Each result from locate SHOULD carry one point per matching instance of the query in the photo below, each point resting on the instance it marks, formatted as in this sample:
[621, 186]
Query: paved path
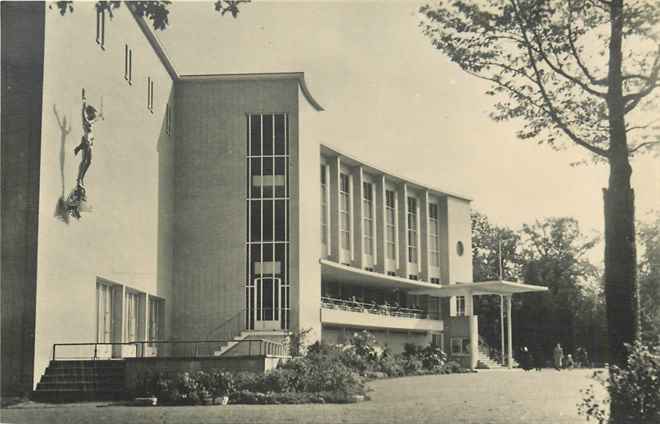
[487, 397]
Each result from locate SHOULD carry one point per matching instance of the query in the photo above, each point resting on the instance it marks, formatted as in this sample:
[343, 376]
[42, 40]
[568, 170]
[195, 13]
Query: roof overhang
[498, 287]
[299, 76]
[333, 271]
[350, 160]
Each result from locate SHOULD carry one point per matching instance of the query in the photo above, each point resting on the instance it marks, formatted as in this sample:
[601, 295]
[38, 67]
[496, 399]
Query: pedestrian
[569, 362]
[558, 356]
[525, 359]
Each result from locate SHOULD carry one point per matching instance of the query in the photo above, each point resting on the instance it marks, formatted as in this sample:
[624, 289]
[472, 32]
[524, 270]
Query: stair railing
[229, 328]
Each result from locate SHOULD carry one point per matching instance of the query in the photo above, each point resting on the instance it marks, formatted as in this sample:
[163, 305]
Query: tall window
[460, 306]
[132, 316]
[345, 211]
[128, 64]
[104, 322]
[150, 95]
[267, 209]
[412, 230]
[324, 206]
[368, 217]
[434, 235]
[155, 318]
[100, 27]
[390, 224]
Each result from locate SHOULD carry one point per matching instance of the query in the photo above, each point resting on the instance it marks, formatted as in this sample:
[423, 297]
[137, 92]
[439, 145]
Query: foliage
[156, 11]
[634, 390]
[554, 253]
[547, 63]
[649, 280]
[325, 374]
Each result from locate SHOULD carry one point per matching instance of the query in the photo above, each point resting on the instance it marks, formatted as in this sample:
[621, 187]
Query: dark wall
[22, 81]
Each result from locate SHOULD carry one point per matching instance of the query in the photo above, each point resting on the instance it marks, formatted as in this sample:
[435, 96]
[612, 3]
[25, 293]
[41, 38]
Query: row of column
[382, 264]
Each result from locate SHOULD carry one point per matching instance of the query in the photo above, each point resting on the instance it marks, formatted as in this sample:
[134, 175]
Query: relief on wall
[76, 202]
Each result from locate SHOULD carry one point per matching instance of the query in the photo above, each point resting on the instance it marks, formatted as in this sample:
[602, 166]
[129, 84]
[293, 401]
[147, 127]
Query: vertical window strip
[344, 211]
[434, 236]
[126, 62]
[412, 230]
[103, 29]
[368, 218]
[152, 97]
[98, 27]
[130, 66]
[390, 230]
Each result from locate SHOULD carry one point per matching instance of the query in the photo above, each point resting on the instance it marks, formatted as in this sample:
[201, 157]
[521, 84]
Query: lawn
[486, 397]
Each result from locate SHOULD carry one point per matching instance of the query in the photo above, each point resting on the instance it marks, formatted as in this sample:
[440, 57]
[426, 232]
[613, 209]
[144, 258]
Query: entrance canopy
[500, 287]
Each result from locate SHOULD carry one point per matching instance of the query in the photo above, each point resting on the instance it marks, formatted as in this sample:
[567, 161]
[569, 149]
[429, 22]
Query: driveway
[498, 396]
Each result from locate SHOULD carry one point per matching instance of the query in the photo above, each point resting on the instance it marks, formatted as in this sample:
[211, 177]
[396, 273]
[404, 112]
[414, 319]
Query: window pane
[255, 170]
[268, 134]
[268, 220]
[279, 220]
[255, 135]
[279, 134]
[255, 220]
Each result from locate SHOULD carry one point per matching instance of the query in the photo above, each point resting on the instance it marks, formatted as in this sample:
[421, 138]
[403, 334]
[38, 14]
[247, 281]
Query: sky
[394, 101]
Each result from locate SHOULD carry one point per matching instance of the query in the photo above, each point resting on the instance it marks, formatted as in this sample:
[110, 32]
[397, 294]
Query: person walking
[558, 356]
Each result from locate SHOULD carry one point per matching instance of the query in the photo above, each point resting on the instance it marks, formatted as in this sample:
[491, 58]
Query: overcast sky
[394, 101]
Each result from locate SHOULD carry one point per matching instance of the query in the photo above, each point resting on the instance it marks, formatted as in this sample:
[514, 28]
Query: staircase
[71, 381]
[486, 363]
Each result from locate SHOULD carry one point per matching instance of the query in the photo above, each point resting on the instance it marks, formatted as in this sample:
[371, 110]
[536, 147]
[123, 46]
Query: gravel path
[498, 396]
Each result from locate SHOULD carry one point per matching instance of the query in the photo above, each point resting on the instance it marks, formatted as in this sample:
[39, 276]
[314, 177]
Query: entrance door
[104, 320]
[267, 304]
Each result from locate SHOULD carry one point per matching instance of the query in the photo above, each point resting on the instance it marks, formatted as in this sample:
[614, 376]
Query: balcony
[351, 313]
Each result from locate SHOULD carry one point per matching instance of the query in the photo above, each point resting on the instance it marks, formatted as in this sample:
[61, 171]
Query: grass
[487, 397]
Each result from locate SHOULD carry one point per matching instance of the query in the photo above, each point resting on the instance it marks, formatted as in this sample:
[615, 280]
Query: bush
[634, 391]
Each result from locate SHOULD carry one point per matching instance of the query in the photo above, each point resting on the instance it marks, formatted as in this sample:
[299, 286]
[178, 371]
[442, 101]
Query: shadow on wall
[65, 129]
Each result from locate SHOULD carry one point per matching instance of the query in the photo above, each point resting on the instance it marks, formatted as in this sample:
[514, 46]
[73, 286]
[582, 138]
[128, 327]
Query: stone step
[73, 395]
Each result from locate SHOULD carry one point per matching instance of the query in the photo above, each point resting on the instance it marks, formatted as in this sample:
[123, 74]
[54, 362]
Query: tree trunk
[620, 251]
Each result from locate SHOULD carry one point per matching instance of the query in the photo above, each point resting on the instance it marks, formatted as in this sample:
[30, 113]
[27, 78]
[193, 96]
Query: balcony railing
[373, 308]
[166, 349]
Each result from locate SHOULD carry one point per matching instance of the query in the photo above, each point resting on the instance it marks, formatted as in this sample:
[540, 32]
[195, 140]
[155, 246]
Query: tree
[554, 253]
[156, 11]
[576, 72]
[486, 239]
[649, 281]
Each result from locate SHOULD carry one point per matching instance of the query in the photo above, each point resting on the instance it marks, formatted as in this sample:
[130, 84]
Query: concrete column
[502, 329]
[509, 359]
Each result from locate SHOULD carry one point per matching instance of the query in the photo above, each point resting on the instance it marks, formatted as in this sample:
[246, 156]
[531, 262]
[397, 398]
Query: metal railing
[373, 308]
[167, 349]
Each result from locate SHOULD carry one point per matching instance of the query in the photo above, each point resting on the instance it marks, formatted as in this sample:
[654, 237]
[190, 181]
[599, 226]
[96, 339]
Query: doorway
[267, 304]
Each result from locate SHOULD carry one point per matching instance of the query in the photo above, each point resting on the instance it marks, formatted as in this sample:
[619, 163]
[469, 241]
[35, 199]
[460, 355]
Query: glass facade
[267, 288]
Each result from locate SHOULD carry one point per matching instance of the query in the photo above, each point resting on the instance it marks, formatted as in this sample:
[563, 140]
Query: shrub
[634, 390]
[392, 365]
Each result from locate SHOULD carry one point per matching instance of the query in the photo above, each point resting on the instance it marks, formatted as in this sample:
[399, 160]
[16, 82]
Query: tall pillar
[509, 359]
[502, 329]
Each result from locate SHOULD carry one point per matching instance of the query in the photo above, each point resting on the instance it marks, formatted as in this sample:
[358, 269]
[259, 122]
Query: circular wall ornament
[459, 248]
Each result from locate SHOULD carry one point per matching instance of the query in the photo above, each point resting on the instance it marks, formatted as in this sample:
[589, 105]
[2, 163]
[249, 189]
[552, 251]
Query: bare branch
[546, 98]
[643, 145]
[576, 54]
[652, 82]
[557, 68]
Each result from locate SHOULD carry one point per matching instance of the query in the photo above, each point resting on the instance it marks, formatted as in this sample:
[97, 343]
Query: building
[208, 213]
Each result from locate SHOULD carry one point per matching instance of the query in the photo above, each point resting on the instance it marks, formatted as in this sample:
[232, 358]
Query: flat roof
[299, 76]
[374, 169]
[499, 287]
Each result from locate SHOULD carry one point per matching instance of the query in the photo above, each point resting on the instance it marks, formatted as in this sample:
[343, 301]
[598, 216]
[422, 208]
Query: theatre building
[212, 223]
